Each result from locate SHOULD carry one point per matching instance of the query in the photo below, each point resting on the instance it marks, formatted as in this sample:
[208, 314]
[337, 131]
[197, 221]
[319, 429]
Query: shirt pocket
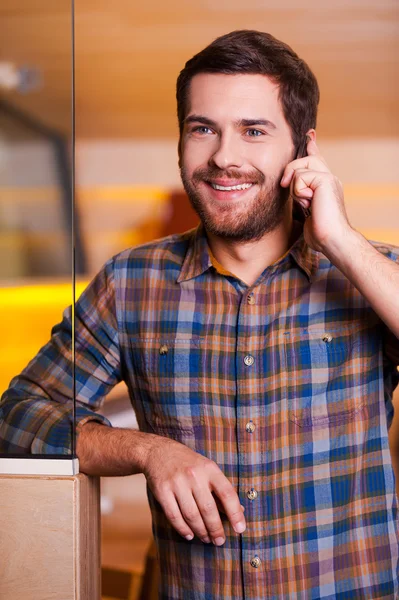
[324, 377]
[166, 381]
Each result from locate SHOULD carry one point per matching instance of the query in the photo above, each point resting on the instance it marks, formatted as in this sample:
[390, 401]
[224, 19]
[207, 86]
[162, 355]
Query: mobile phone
[301, 154]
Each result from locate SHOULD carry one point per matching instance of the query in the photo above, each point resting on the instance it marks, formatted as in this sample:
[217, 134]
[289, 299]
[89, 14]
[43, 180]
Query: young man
[260, 352]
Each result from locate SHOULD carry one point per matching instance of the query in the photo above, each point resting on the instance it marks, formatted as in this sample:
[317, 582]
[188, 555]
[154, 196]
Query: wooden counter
[49, 537]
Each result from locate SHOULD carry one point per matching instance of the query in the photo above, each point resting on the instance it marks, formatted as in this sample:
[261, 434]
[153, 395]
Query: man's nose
[227, 154]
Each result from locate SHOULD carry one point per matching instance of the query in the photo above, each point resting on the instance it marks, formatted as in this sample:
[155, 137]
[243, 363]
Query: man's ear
[311, 135]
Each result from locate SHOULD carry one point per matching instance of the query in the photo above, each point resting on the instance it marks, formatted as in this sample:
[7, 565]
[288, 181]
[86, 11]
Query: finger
[221, 507]
[192, 517]
[230, 502]
[305, 182]
[299, 188]
[210, 515]
[175, 518]
[304, 194]
[302, 202]
[313, 163]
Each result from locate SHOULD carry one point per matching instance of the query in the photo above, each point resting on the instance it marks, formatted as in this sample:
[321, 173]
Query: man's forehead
[220, 94]
[242, 84]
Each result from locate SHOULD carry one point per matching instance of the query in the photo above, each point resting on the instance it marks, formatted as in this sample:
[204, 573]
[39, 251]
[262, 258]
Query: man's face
[235, 134]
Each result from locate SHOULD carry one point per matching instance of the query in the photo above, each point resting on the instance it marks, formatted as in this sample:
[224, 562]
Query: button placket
[247, 434]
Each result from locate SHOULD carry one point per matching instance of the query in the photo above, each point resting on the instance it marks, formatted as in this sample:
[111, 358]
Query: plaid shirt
[286, 385]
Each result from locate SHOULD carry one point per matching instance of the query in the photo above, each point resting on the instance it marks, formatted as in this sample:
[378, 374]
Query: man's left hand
[313, 186]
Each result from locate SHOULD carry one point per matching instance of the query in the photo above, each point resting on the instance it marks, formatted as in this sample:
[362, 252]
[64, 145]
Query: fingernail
[240, 527]
[218, 541]
[189, 537]
[206, 540]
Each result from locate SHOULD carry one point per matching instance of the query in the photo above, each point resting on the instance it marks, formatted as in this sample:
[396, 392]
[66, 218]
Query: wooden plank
[87, 531]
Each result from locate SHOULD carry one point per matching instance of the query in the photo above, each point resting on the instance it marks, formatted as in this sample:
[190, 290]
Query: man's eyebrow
[252, 122]
[199, 119]
[238, 123]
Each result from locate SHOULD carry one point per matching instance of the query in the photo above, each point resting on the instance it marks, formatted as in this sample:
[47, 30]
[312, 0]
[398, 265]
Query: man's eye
[201, 129]
[254, 132]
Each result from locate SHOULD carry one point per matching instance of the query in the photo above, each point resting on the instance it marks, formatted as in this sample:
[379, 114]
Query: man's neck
[247, 260]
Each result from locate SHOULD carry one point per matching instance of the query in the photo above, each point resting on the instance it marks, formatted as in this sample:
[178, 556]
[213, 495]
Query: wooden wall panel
[128, 56]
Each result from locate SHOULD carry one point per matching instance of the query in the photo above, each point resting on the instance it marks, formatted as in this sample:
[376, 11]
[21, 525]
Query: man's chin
[252, 228]
[245, 232]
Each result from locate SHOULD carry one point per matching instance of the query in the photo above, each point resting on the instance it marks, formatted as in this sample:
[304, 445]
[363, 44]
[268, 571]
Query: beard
[264, 213]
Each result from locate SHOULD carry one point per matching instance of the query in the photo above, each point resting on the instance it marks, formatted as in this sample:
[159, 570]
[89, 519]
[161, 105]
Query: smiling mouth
[229, 188]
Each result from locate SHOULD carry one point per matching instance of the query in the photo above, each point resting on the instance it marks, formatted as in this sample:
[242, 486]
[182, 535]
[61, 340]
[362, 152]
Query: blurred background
[128, 191]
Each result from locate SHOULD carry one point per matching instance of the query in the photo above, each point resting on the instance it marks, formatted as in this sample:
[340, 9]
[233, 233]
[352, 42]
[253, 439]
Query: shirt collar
[305, 257]
[198, 257]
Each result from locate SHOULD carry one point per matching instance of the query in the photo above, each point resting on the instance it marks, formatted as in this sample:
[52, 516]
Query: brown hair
[255, 52]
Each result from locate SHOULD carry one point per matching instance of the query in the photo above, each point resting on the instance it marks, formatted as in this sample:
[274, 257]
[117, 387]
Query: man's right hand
[184, 482]
[190, 488]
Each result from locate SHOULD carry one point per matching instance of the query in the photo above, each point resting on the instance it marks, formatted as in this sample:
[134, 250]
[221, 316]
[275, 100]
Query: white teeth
[243, 186]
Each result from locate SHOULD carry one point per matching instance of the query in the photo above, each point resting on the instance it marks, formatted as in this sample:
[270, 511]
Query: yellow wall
[27, 314]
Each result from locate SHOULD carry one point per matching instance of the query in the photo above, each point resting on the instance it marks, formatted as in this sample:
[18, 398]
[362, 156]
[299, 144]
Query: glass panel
[36, 185]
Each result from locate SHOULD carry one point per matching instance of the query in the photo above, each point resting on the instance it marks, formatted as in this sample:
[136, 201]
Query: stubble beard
[265, 211]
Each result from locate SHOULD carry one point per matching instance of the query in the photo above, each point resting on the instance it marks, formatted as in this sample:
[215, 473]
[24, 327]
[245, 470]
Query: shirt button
[252, 494]
[250, 427]
[255, 562]
[327, 338]
[251, 299]
[249, 360]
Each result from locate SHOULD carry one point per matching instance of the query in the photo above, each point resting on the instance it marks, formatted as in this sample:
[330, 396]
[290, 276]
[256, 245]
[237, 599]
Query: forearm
[107, 451]
[375, 276]
[37, 412]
